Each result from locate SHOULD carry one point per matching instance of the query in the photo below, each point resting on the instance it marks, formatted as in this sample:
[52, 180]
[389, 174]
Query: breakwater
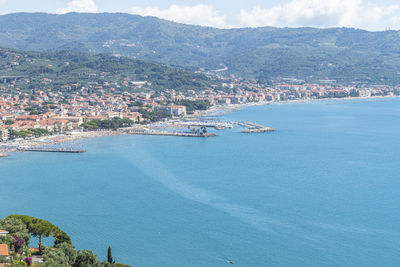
[56, 150]
[209, 124]
[167, 133]
[255, 128]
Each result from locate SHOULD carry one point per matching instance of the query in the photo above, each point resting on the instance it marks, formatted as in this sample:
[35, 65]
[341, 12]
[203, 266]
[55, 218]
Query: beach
[12, 146]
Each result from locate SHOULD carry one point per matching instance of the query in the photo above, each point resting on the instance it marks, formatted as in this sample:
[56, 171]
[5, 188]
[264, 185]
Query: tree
[68, 250]
[55, 258]
[61, 237]
[203, 130]
[86, 258]
[9, 122]
[18, 232]
[109, 256]
[41, 228]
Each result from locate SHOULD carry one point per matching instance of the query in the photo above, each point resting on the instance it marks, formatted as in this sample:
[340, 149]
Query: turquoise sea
[322, 191]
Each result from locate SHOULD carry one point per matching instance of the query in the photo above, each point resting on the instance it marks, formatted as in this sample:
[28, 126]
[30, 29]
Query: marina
[183, 127]
[218, 125]
[251, 127]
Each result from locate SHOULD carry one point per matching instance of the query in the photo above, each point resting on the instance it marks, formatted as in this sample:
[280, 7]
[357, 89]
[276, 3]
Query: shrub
[86, 258]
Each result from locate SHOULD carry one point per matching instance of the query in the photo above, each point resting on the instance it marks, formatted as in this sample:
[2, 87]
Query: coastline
[12, 146]
[219, 110]
[214, 111]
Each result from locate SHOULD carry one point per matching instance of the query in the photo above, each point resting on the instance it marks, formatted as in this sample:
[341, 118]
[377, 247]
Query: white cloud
[324, 13]
[295, 13]
[84, 6]
[203, 15]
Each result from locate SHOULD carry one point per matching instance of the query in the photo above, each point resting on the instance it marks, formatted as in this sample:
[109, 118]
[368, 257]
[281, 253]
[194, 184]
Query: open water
[322, 191]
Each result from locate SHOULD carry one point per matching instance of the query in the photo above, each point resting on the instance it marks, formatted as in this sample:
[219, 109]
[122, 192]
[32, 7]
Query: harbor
[189, 123]
[178, 127]
[250, 127]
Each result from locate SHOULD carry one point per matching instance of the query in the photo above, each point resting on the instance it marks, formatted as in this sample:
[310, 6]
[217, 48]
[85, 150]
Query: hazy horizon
[196, 25]
[371, 15]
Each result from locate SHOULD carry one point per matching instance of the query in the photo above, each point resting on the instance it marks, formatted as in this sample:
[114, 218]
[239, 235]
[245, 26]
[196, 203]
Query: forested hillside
[266, 53]
[73, 70]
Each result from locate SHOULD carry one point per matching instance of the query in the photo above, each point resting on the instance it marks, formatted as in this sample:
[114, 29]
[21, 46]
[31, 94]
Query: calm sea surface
[322, 191]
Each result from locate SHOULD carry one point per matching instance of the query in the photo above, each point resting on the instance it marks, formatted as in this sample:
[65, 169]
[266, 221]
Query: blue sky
[366, 14]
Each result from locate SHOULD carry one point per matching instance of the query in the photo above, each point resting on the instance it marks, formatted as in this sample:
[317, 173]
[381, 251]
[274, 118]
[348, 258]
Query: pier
[55, 150]
[255, 128]
[218, 125]
[260, 130]
[167, 133]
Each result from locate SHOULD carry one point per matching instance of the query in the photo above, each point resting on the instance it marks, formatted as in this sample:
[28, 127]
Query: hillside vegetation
[74, 70]
[342, 54]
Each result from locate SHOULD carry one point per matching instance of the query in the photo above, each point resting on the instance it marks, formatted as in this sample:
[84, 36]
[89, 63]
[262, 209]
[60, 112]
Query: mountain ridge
[266, 53]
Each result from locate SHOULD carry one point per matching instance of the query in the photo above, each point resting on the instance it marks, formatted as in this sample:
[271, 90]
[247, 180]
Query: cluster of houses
[46, 111]
[4, 249]
[60, 112]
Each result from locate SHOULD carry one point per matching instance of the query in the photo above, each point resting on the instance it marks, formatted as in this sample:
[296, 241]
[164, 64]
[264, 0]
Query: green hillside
[73, 70]
[305, 53]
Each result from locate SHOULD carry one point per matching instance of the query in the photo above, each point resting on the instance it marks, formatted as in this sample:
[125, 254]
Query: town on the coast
[31, 118]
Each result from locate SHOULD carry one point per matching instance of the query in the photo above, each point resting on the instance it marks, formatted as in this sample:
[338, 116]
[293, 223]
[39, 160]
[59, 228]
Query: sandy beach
[12, 146]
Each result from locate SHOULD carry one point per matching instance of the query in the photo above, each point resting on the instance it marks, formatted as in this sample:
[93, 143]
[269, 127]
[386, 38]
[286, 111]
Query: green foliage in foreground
[110, 258]
[62, 254]
[16, 228]
[42, 228]
[113, 123]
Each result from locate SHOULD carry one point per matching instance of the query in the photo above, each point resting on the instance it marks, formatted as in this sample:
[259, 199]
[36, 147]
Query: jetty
[255, 128]
[55, 150]
[218, 125]
[168, 133]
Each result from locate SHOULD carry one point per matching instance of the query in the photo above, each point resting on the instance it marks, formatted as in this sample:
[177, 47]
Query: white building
[176, 110]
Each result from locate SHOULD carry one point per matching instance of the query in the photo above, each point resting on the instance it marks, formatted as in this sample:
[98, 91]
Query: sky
[372, 15]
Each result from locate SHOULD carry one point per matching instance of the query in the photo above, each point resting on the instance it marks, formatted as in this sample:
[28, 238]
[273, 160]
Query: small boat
[3, 155]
